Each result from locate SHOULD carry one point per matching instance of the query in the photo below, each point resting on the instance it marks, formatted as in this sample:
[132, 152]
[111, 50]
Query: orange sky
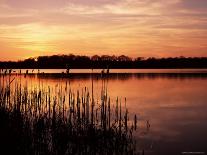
[157, 28]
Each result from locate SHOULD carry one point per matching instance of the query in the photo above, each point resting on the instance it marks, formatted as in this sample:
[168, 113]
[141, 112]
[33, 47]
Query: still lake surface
[173, 101]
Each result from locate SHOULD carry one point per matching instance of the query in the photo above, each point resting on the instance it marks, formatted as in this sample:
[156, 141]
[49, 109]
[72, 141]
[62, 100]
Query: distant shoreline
[105, 62]
[101, 72]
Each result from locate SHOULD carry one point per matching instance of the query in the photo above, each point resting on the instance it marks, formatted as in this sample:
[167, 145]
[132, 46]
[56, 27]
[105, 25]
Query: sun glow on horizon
[130, 27]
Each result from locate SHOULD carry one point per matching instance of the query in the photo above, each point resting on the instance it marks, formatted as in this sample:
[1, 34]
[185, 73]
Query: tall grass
[45, 120]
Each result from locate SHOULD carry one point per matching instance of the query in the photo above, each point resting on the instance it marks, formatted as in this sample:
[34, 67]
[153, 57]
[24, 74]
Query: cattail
[109, 114]
[58, 118]
[135, 122]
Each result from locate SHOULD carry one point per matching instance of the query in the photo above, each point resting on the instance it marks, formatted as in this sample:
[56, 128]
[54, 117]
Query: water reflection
[175, 105]
[119, 76]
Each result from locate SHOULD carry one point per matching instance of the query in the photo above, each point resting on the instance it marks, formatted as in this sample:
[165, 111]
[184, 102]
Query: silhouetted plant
[36, 121]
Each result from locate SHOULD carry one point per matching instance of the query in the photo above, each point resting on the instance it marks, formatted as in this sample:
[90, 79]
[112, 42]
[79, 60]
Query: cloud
[124, 7]
[35, 4]
[193, 4]
[132, 27]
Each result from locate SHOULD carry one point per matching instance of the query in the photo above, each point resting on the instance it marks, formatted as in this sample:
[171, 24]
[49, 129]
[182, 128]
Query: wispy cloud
[131, 27]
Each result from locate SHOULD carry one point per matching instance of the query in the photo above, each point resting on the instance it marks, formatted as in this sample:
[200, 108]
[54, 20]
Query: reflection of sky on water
[175, 106]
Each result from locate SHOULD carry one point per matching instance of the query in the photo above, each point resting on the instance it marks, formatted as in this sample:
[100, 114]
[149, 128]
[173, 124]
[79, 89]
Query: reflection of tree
[106, 61]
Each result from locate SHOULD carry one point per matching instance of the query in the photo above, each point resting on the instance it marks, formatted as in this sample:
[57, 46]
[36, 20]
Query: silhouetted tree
[106, 61]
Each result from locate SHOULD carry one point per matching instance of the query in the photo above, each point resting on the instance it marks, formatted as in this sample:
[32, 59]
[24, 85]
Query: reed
[41, 121]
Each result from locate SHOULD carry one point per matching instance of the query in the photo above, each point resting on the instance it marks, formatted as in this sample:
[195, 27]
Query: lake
[171, 104]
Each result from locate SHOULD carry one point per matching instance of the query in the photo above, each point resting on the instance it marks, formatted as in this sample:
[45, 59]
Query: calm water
[174, 103]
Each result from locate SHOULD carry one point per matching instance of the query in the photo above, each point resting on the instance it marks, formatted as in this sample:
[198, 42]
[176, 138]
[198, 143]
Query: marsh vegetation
[40, 119]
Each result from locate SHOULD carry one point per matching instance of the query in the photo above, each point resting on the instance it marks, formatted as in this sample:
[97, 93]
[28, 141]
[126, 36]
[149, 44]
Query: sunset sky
[158, 28]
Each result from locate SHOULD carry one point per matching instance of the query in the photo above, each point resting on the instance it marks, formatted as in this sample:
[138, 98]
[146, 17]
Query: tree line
[105, 61]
